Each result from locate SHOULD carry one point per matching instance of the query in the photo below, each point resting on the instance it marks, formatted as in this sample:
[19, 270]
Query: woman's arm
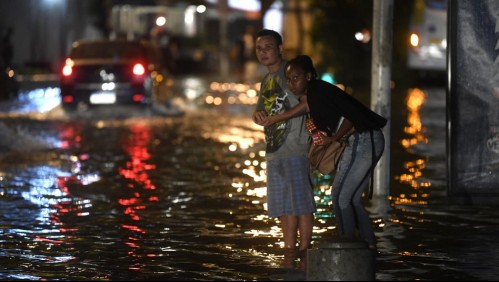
[344, 131]
[259, 117]
[298, 110]
[345, 127]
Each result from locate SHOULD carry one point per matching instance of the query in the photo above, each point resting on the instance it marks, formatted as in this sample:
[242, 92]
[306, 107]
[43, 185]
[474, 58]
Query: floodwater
[179, 194]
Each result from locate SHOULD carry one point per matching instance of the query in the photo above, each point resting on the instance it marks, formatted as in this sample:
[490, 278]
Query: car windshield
[107, 50]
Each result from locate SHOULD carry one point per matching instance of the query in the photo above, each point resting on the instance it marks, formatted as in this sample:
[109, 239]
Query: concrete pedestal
[341, 260]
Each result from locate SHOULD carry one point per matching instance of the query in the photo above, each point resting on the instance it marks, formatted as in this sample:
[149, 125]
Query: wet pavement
[179, 194]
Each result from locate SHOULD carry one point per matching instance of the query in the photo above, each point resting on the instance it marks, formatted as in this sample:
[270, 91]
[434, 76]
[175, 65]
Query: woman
[335, 112]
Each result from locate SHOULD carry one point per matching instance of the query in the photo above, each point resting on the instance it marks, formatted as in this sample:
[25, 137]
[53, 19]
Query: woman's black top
[328, 104]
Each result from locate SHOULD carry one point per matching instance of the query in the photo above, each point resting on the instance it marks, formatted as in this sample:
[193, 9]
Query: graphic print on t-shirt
[275, 102]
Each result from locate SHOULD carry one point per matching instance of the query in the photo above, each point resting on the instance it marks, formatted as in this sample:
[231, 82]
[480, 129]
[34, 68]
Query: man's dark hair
[268, 32]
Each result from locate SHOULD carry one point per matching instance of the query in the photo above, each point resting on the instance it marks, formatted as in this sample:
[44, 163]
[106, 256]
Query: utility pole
[380, 85]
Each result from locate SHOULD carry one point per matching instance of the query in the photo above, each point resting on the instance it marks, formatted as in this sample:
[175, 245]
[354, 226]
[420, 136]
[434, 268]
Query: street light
[160, 21]
[201, 9]
[363, 36]
[190, 18]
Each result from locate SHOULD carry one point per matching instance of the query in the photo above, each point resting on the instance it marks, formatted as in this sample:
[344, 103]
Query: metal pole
[380, 85]
[224, 60]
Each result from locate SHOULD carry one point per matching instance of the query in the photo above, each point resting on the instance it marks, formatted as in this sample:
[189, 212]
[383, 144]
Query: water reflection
[232, 93]
[41, 100]
[135, 145]
[183, 198]
[35, 102]
[416, 135]
[415, 99]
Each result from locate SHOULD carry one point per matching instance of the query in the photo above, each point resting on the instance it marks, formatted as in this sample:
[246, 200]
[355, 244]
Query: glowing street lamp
[160, 21]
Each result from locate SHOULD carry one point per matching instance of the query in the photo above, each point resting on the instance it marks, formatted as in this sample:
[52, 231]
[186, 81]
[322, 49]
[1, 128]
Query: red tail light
[67, 99]
[138, 97]
[138, 69]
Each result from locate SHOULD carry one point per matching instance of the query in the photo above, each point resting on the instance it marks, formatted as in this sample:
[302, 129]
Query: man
[289, 187]
[7, 48]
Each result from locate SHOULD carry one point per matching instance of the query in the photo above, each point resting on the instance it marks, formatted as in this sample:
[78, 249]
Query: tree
[333, 32]
[333, 29]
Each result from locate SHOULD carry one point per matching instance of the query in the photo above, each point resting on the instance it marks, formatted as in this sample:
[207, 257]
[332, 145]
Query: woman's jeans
[351, 181]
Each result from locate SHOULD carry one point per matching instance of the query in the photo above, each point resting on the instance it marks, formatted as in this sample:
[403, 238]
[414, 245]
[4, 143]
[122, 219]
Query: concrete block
[341, 260]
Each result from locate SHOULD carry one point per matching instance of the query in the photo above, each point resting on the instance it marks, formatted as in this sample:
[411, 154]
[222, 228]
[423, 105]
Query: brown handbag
[325, 158]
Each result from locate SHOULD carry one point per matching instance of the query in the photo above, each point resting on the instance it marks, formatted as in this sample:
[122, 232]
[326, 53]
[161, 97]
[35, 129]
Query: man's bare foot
[303, 259]
[290, 256]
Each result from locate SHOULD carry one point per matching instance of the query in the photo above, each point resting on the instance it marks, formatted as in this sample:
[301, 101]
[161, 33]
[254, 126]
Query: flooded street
[179, 194]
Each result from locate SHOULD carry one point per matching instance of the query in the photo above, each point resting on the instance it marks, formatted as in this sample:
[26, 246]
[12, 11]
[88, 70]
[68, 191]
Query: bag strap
[339, 124]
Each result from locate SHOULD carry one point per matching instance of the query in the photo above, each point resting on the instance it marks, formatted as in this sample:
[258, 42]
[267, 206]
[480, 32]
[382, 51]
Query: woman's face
[297, 80]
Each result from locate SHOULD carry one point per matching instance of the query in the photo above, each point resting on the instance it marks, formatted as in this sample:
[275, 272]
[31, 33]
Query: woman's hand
[323, 139]
[259, 117]
[320, 138]
[269, 120]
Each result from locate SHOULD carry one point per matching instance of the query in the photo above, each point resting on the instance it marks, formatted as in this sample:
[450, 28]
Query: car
[111, 72]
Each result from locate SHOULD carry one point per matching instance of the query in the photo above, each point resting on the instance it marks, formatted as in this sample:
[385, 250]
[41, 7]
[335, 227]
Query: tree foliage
[333, 33]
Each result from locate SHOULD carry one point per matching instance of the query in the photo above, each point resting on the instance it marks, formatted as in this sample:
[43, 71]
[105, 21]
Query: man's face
[268, 52]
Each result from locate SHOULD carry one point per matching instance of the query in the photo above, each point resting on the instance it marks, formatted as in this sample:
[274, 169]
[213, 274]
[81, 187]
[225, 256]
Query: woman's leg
[343, 189]
[351, 176]
[364, 222]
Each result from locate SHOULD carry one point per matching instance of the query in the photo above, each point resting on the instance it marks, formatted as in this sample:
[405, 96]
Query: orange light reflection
[416, 135]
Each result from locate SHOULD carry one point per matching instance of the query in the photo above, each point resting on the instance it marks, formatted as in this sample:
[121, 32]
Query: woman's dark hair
[305, 63]
[268, 32]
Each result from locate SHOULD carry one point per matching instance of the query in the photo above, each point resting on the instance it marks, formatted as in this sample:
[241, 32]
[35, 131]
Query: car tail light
[138, 97]
[138, 69]
[67, 70]
[414, 40]
[67, 99]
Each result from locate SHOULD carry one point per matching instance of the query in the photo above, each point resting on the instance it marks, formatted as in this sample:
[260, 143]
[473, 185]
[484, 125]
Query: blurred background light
[273, 18]
[160, 21]
[246, 5]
